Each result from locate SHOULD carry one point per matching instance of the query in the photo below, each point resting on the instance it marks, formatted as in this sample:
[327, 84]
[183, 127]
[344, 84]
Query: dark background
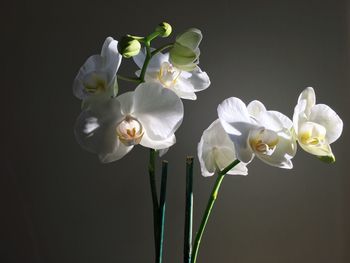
[59, 204]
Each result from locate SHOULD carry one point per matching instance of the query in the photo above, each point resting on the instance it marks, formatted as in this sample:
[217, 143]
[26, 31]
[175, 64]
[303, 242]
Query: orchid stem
[162, 209]
[189, 210]
[211, 201]
[152, 180]
[156, 51]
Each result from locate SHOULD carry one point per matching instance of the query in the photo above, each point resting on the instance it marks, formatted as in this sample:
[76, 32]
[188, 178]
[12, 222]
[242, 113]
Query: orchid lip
[130, 131]
[263, 141]
[312, 134]
[95, 85]
[168, 75]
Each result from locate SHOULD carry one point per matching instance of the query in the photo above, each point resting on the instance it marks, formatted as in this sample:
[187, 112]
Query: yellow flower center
[95, 84]
[312, 134]
[130, 131]
[263, 141]
[168, 75]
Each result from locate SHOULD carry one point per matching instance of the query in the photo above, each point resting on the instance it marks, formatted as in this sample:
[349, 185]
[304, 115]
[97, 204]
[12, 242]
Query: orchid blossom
[183, 83]
[256, 131]
[316, 126]
[97, 77]
[148, 116]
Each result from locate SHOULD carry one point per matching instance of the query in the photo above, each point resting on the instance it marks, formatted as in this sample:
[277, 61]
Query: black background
[59, 204]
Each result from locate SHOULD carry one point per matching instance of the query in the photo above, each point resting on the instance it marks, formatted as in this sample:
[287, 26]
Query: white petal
[309, 96]
[319, 150]
[206, 160]
[216, 150]
[184, 89]
[155, 62]
[205, 153]
[111, 57]
[146, 141]
[224, 156]
[127, 102]
[299, 115]
[232, 111]
[243, 151]
[198, 79]
[162, 152]
[270, 121]
[285, 121]
[91, 66]
[255, 107]
[236, 121]
[328, 118]
[95, 131]
[239, 169]
[185, 95]
[119, 151]
[159, 110]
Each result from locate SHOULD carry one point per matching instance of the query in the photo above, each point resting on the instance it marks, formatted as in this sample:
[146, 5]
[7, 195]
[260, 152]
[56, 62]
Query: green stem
[146, 62]
[162, 209]
[209, 208]
[156, 51]
[152, 180]
[147, 42]
[188, 211]
[132, 79]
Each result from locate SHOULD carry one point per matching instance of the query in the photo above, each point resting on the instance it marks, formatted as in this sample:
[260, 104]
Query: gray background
[59, 204]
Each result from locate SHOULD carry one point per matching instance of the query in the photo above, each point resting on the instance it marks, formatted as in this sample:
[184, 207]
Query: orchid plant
[111, 124]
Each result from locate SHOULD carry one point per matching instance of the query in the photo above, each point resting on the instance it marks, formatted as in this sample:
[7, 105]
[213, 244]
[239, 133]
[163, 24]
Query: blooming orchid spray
[111, 124]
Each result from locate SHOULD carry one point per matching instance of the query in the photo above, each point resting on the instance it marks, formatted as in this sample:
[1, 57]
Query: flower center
[95, 84]
[168, 75]
[263, 141]
[129, 131]
[312, 134]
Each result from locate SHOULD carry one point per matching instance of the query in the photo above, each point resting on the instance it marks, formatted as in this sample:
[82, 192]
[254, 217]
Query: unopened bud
[129, 46]
[164, 29]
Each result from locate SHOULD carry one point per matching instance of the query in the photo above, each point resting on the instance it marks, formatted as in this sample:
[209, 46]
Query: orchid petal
[328, 118]
[146, 141]
[159, 110]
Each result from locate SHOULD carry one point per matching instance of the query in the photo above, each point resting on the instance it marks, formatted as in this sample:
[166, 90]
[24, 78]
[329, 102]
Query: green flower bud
[183, 57]
[129, 46]
[164, 29]
[327, 159]
[191, 38]
[185, 52]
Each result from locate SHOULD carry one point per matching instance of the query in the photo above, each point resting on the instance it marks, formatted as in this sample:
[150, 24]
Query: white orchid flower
[148, 116]
[183, 83]
[316, 126]
[256, 131]
[97, 77]
[216, 151]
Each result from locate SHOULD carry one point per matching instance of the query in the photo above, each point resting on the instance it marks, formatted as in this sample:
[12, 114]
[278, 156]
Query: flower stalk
[189, 210]
[210, 204]
[152, 180]
[162, 209]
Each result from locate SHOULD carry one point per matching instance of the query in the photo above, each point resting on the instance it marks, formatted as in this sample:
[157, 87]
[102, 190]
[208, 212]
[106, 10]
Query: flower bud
[164, 29]
[191, 38]
[129, 46]
[185, 52]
